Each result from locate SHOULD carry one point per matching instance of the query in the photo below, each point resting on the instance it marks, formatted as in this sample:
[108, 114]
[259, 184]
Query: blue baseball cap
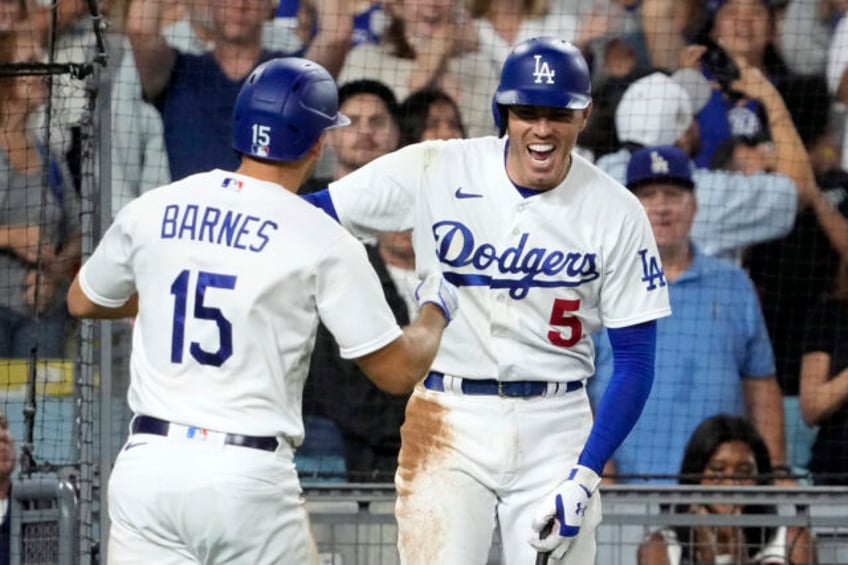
[661, 164]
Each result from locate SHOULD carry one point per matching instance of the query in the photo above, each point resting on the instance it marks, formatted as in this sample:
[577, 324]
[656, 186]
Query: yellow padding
[53, 377]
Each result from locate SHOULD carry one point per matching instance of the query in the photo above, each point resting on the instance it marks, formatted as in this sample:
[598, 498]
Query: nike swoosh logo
[136, 444]
[460, 194]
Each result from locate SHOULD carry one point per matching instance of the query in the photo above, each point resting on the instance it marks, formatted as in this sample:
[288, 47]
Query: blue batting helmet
[283, 108]
[543, 71]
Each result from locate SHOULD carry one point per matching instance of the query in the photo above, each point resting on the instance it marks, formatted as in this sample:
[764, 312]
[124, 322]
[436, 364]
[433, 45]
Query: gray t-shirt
[46, 198]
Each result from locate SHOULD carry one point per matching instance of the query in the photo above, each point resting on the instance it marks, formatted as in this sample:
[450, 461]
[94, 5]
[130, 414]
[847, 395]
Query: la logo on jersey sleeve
[652, 273]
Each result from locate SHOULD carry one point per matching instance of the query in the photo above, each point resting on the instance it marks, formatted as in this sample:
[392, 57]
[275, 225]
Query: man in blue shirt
[713, 354]
[196, 93]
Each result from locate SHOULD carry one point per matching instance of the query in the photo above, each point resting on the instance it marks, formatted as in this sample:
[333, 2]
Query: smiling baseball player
[545, 250]
[232, 272]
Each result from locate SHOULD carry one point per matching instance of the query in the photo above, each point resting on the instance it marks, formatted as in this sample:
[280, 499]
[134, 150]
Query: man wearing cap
[713, 355]
[735, 210]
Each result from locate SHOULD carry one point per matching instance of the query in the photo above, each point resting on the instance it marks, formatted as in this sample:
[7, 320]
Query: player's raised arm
[154, 57]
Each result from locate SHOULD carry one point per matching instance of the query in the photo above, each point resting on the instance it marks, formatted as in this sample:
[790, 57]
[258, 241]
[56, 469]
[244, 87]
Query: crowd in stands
[726, 118]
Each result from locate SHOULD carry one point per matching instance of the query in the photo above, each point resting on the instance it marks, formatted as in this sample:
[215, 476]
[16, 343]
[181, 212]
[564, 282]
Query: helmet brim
[542, 98]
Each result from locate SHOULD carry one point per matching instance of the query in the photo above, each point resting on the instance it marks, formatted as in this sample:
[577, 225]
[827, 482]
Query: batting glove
[567, 505]
[434, 288]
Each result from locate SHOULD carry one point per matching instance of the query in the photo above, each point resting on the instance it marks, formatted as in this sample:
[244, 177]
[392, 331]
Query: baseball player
[229, 273]
[545, 249]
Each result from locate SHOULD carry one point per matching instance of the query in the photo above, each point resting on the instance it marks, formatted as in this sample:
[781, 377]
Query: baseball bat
[543, 556]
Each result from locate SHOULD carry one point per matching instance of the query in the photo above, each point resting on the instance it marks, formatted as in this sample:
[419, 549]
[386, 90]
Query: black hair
[413, 113]
[702, 445]
[808, 101]
[374, 87]
[723, 156]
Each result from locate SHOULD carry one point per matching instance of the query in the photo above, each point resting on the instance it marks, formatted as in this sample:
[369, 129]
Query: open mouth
[540, 152]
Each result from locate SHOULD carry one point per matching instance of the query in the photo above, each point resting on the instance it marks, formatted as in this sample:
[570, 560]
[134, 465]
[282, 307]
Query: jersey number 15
[180, 289]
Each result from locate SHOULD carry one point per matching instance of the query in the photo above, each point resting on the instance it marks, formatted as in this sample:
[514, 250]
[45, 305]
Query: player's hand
[435, 289]
[566, 505]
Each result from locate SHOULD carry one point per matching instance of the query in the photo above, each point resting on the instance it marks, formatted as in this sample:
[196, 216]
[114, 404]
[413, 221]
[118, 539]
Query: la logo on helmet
[543, 71]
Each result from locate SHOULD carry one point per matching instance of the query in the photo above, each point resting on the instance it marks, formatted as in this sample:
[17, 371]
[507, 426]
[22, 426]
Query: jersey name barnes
[214, 225]
[457, 248]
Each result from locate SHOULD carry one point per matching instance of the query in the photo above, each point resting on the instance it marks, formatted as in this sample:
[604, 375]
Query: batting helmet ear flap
[499, 114]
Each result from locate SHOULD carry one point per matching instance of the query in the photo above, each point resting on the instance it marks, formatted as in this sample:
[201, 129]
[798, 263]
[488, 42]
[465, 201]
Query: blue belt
[515, 389]
[155, 426]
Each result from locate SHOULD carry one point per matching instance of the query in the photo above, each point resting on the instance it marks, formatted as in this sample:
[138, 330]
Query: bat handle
[543, 556]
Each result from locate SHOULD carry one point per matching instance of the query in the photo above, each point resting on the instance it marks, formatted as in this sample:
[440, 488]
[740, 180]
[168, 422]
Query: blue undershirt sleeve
[322, 199]
[633, 352]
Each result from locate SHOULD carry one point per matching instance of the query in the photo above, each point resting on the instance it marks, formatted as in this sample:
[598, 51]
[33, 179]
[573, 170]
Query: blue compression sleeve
[633, 352]
[322, 199]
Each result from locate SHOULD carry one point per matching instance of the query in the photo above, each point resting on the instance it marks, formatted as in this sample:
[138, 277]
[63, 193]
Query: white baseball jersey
[232, 274]
[537, 276]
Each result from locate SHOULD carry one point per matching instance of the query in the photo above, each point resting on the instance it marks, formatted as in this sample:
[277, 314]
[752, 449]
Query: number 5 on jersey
[180, 290]
[561, 317]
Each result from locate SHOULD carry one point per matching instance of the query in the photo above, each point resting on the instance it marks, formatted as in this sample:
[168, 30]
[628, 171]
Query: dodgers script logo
[536, 266]
[543, 71]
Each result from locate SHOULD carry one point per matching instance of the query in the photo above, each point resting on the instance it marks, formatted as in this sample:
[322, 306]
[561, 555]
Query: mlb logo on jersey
[230, 182]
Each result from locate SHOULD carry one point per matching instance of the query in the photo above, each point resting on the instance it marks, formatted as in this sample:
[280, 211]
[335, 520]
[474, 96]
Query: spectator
[837, 72]
[337, 399]
[793, 272]
[501, 24]
[824, 383]
[713, 355]
[373, 131]
[193, 32]
[806, 34]
[12, 13]
[728, 451]
[7, 465]
[610, 34]
[137, 146]
[429, 113]
[369, 20]
[193, 28]
[196, 93]
[745, 31]
[430, 44]
[39, 225]
[734, 210]
[668, 26]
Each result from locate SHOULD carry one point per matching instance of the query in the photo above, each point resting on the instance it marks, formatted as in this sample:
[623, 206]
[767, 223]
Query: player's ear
[318, 147]
[586, 113]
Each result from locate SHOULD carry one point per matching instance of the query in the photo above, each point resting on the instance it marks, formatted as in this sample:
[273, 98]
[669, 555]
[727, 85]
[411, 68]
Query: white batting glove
[434, 288]
[566, 505]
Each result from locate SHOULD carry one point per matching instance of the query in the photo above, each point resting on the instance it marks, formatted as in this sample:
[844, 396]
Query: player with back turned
[229, 273]
[545, 249]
